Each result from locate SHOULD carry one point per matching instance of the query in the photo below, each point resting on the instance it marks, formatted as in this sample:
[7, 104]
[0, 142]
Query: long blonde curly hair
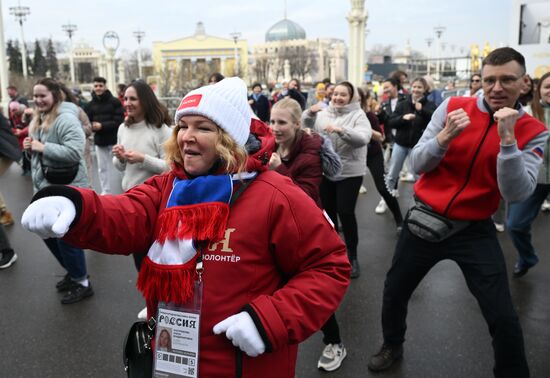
[230, 153]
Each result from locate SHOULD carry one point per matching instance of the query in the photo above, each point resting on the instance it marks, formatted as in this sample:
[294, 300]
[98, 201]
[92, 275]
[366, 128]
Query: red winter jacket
[464, 184]
[303, 164]
[280, 260]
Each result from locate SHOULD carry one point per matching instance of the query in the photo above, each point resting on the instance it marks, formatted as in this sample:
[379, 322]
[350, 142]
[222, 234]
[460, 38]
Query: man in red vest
[473, 152]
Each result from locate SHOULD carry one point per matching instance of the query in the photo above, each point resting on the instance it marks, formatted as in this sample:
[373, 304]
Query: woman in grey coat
[57, 141]
[347, 126]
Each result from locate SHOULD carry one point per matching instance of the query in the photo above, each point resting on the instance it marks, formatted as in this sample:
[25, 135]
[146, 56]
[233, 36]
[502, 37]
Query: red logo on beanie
[190, 102]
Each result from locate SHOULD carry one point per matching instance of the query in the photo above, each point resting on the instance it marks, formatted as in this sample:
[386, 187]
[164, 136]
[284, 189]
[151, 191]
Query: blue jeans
[398, 156]
[520, 218]
[70, 258]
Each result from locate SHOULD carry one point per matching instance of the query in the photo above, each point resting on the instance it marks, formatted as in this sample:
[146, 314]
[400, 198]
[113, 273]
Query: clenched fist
[506, 118]
[457, 121]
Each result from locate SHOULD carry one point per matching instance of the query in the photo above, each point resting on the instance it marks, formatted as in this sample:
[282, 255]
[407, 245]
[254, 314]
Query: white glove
[240, 329]
[49, 217]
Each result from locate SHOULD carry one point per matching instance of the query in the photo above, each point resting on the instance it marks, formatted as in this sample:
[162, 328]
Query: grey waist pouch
[430, 226]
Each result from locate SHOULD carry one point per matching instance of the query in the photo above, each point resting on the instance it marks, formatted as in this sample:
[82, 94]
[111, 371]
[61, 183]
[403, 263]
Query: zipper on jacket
[470, 168]
[238, 363]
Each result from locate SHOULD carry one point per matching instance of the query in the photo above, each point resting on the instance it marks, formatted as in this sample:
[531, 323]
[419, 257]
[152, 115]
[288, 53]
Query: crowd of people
[250, 160]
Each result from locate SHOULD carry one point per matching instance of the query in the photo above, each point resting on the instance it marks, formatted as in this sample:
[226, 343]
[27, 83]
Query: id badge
[177, 338]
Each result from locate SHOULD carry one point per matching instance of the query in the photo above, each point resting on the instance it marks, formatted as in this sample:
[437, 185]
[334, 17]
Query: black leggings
[339, 199]
[331, 331]
[375, 163]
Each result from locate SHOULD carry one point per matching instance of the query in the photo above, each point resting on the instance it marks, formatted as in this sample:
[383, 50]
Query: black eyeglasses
[475, 81]
[505, 81]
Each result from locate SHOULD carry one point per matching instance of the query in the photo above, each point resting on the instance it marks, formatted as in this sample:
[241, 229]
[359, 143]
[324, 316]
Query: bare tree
[202, 71]
[278, 68]
[381, 50]
[166, 77]
[130, 59]
[283, 54]
[303, 61]
[261, 69]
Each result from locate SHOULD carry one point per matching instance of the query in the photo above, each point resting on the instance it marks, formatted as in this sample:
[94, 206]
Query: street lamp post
[111, 43]
[443, 62]
[20, 13]
[139, 36]
[236, 36]
[429, 42]
[3, 65]
[438, 33]
[70, 29]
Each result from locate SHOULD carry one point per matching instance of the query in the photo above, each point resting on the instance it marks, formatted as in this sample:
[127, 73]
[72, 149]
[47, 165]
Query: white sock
[84, 282]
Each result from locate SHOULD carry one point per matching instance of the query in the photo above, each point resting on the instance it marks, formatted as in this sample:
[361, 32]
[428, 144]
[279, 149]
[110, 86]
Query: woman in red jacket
[298, 155]
[250, 246]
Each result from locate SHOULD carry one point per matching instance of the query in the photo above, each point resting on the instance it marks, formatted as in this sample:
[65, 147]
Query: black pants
[339, 199]
[4, 242]
[375, 163]
[478, 254]
[331, 331]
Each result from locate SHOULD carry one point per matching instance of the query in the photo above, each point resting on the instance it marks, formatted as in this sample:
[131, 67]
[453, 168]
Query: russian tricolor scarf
[196, 214]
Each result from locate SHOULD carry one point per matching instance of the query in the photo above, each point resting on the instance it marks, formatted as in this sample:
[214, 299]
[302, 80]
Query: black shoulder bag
[59, 175]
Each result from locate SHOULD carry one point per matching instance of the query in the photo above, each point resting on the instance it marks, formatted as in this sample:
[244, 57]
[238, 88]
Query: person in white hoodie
[349, 130]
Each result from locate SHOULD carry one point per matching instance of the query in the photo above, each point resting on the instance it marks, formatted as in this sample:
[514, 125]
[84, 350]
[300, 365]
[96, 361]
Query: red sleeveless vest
[464, 184]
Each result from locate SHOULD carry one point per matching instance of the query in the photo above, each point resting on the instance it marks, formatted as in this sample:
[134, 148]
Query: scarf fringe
[205, 221]
[167, 283]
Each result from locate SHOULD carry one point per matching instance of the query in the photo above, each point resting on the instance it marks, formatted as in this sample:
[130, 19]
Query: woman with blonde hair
[250, 246]
[56, 145]
[298, 155]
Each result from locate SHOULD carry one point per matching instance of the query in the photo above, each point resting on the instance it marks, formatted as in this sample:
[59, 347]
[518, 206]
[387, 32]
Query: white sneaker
[409, 177]
[499, 227]
[362, 190]
[382, 207]
[142, 315]
[545, 205]
[332, 357]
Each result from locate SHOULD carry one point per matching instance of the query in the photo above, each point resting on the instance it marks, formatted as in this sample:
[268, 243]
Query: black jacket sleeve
[117, 118]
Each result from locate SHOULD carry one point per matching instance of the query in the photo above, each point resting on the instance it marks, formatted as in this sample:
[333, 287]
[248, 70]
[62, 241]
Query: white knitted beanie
[225, 103]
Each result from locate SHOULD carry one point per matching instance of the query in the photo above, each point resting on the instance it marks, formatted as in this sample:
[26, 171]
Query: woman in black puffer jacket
[409, 119]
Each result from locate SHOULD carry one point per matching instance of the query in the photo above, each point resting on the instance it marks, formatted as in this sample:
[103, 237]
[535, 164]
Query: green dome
[285, 30]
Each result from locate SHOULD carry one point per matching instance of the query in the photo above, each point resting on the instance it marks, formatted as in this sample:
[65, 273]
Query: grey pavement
[446, 337]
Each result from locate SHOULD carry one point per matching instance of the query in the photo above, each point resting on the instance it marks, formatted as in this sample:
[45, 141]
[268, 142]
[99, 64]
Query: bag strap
[240, 190]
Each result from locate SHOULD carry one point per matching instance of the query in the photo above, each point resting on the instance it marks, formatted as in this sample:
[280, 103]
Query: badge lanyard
[178, 326]
[178, 333]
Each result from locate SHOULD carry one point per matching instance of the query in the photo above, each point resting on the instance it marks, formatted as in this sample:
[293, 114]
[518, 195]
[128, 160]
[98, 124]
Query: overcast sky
[389, 22]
